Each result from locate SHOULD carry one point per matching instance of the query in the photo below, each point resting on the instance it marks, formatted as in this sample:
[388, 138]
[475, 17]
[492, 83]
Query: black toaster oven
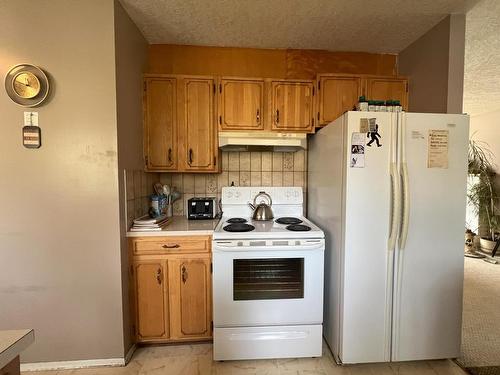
[201, 208]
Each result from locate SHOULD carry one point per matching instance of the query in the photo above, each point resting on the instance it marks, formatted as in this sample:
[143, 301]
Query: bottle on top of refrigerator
[371, 106]
[389, 105]
[381, 106]
[362, 104]
[397, 106]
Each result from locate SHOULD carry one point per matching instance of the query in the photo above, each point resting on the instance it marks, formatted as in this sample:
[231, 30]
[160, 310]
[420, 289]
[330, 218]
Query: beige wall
[59, 232]
[131, 56]
[434, 63]
[482, 74]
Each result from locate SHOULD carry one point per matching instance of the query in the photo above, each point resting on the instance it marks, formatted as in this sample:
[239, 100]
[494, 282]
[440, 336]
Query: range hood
[262, 141]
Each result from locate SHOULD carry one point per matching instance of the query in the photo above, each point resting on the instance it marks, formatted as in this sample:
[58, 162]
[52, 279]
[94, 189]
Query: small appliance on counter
[201, 208]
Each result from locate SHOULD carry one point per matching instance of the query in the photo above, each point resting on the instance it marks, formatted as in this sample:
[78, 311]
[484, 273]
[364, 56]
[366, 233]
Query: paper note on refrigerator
[358, 150]
[437, 153]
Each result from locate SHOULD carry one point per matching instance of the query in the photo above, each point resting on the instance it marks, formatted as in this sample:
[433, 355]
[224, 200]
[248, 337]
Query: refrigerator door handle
[406, 206]
[396, 206]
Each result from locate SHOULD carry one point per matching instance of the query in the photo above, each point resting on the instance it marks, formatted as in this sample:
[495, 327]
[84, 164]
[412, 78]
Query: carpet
[481, 318]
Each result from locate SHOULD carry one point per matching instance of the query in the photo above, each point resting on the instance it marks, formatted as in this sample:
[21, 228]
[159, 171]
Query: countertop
[14, 342]
[180, 226]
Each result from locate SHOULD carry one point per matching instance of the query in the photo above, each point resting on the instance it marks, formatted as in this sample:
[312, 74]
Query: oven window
[256, 279]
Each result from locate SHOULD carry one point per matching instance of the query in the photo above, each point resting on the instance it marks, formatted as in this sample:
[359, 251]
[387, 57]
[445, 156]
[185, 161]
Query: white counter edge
[16, 348]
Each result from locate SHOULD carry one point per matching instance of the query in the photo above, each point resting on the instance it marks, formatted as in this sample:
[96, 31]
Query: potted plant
[483, 194]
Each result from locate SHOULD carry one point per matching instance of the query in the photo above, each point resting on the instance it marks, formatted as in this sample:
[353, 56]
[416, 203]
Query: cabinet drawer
[169, 245]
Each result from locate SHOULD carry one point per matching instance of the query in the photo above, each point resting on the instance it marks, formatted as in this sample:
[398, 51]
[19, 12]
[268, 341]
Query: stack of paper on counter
[146, 223]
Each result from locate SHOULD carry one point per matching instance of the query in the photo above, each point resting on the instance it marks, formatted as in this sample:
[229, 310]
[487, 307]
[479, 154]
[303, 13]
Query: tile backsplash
[138, 189]
[238, 168]
[241, 169]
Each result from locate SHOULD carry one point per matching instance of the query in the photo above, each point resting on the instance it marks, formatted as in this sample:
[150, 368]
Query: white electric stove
[267, 278]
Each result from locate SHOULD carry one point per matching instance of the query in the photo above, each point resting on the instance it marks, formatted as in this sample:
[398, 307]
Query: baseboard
[130, 353]
[69, 365]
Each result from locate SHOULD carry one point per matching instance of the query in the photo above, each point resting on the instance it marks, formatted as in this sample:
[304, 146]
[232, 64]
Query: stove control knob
[229, 194]
[237, 194]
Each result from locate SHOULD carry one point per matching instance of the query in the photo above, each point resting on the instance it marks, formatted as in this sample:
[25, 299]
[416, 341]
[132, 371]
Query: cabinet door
[336, 96]
[292, 106]
[190, 298]
[199, 130]
[388, 89]
[241, 103]
[160, 124]
[151, 300]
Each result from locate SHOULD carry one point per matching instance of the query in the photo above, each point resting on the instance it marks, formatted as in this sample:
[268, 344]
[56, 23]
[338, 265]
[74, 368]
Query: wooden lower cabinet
[171, 293]
[190, 298]
[150, 284]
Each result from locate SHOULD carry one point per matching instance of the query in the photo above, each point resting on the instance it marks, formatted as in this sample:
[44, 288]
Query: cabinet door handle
[170, 246]
[190, 156]
[277, 116]
[170, 155]
[184, 274]
[158, 276]
[258, 116]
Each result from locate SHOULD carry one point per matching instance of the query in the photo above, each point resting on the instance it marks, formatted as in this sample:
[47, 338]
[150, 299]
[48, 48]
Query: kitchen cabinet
[151, 299]
[387, 88]
[171, 293]
[190, 291]
[336, 95]
[241, 104]
[180, 134]
[292, 106]
[160, 123]
[199, 133]
[183, 114]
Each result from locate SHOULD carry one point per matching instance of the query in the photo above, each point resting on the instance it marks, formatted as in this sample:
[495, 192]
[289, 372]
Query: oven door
[268, 282]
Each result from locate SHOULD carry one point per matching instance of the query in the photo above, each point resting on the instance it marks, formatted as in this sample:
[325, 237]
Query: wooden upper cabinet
[190, 298]
[199, 130]
[385, 88]
[336, 95]
[241, 104]
[160, 124]
[151, 300]
[292, 106]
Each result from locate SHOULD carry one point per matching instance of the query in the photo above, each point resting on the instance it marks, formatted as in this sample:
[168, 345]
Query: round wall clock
[27, 85]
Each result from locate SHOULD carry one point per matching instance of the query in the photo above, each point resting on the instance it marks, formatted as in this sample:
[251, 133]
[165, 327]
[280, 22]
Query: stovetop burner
[239, 227]
[288, 220]
[298, 228]
[236, 220]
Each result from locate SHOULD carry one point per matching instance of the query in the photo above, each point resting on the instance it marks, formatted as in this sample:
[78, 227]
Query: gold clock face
[26, 85]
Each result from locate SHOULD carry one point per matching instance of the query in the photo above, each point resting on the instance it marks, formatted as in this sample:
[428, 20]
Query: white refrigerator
[389, 191]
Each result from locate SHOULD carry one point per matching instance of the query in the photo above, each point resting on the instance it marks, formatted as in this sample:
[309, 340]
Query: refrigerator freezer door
[368, 258]
[429, 264]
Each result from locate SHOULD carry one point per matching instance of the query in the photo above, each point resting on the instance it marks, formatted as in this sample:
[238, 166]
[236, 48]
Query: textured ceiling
[384, 26]
[482, 58]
